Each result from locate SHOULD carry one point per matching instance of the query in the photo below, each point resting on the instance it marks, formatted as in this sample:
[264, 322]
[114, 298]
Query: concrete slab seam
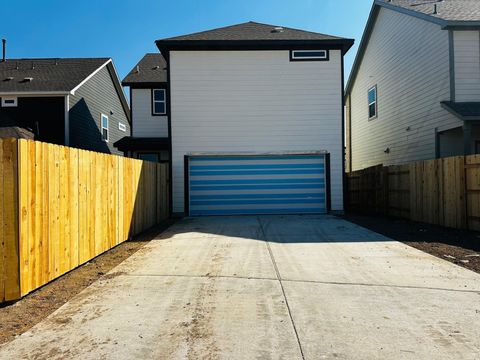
[279, 278]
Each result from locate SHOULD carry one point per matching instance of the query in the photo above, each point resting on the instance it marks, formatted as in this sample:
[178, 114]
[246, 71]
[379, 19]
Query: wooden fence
[443, 192]
[60, 207]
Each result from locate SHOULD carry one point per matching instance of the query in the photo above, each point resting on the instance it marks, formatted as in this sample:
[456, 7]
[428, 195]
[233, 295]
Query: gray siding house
[255, 120]
[74, 102]
[149, 139]
[414, 90]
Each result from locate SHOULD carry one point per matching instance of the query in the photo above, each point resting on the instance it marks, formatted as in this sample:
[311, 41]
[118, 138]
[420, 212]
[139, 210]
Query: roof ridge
[205, 31]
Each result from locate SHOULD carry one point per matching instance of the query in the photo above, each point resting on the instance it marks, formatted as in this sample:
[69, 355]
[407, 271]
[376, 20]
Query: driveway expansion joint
[279, 278]
[382, 285]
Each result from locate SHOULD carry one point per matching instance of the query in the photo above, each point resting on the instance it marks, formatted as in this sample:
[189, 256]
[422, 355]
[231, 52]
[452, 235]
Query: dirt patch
[20, 316]
[457, 246]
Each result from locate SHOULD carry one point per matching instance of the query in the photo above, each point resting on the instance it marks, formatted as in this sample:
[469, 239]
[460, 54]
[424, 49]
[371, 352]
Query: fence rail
[443, 192]
[61, 207]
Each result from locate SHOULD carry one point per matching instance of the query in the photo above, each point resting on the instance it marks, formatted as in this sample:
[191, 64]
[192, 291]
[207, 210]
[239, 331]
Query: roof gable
[46, 75]
[450, 13]
[448, 10]
[253, 31]
[151, 69]
[55, 76]
[252, 36]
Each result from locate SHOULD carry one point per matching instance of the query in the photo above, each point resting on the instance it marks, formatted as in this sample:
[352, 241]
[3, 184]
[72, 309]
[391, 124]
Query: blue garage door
[244, 185]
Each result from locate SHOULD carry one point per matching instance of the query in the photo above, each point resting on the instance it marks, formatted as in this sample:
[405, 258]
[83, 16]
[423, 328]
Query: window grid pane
[159, 102]
[159, 107]
[310, 54]
[159, 95]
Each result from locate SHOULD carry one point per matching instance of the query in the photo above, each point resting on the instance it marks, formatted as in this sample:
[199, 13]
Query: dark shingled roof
[463, 110]
[252, 31]
[151, 69]
[449, 10]
[15, 132]
[253, 36]
[48, 75]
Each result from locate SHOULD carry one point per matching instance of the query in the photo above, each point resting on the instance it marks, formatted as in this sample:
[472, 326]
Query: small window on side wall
[9, 102]
[309, 55]
[104, 128]
[372, 103]
[159, 102]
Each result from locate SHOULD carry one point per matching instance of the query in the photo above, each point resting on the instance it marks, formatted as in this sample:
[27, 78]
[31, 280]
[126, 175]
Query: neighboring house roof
[251, 34]
[449, 10]
[48, 75]
[16, 132]
[56, 76]
[463, 110]
[449, 14]
[152, 69]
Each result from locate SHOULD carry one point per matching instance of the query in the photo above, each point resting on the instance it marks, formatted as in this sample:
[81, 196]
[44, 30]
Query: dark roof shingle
[252, 31]
[16, 133]
[449, 10]
[151, 69]
[48, 75]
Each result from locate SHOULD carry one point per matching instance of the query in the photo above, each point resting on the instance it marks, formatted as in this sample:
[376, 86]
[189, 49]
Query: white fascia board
[72, 92]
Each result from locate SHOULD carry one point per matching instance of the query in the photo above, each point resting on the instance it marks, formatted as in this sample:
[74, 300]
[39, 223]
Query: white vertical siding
[144, 123]
[467, 65]
[408, 59]
[254, 101]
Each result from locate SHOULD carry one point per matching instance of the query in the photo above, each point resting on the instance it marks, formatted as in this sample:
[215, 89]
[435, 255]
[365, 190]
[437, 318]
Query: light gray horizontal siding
[144, 123]
[408, 59]
[254, 101]
[467, 65]
[97, 96]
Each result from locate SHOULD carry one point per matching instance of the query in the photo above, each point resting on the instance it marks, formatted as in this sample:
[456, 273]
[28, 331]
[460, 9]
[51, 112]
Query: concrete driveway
[273, 287]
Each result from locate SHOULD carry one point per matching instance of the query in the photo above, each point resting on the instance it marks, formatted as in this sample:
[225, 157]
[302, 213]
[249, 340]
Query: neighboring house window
[105, 128]
[122, 127]
[309, 55]
[159, 102]
[372, 102]
[9, 102]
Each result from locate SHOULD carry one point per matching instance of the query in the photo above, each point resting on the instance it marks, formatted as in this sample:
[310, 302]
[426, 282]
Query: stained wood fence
[60, 207]
[443, 192]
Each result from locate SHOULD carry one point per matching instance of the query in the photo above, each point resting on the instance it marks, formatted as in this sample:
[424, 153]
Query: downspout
[67, 121]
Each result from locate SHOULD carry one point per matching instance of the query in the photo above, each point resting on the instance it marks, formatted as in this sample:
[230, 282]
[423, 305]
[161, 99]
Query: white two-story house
[414, 90]
[249, 118]
[255, 119]
[149, 138]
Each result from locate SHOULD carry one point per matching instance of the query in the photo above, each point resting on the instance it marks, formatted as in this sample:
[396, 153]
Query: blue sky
[125, 30]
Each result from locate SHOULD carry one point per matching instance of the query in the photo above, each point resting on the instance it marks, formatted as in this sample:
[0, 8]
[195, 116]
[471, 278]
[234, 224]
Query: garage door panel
[230, 185]
[228, 196]
[257, 167]
[257, 211]
[258, 176]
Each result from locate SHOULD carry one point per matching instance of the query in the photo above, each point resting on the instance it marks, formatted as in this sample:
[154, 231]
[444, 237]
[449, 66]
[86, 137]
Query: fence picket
[60, 207]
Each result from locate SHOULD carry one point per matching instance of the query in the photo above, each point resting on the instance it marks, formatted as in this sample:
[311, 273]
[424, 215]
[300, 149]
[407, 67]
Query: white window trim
[105, 128]
[374, 102]
[6, 98]
[324, 57]
[122, 127]
[164, 101]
